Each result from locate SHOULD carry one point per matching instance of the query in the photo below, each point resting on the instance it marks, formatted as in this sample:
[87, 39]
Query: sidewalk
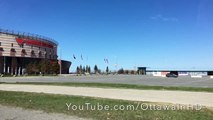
[175, 97]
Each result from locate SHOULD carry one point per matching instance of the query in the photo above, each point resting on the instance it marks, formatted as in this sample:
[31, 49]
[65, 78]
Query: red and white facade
[20, 48]
[12, 44]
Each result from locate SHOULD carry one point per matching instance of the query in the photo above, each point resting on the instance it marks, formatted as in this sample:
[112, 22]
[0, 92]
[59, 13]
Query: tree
[107, 69]
[44, 66]
[89, 69]
[95, 68]
[77, 70]
[32, 68]
[126, 71]
[29, 68]
[132, 72]
[83, 70]
[55, 67]
[99, 71]
[80, 69]
[35, 67]
[121, 71]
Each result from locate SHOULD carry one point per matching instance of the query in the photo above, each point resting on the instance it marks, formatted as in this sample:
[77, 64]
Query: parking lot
[122, 79]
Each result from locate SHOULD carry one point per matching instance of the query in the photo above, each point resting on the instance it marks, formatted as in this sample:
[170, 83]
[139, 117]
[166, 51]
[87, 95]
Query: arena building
[18, 49]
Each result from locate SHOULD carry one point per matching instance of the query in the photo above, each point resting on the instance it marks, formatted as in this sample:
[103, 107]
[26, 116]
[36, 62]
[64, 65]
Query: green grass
[57, 103]
[125, 86]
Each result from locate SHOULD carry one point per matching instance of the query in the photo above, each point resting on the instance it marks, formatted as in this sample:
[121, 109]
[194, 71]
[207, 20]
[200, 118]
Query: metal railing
[28, 35]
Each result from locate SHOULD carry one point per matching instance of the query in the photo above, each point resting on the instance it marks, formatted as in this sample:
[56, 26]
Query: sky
[159, 34]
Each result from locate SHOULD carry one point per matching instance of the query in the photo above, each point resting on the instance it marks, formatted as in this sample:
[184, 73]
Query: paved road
[175, 97]
[123, 79]
[16, 113]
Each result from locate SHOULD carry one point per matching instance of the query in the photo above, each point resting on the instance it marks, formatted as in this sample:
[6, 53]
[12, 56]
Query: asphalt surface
[187, 81]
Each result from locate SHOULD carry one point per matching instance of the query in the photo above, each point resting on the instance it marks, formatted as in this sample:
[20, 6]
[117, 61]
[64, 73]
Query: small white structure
[158, 74]
[198, 74]
[183, 73]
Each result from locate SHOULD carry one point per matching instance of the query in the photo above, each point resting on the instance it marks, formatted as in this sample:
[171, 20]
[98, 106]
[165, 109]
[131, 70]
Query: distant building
[179, 72]
[141, 70]
[18, 49]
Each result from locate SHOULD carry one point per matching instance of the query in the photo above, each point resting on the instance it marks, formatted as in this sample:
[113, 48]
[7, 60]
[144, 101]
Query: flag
[74, 56]
[107, 61]
[81, 57]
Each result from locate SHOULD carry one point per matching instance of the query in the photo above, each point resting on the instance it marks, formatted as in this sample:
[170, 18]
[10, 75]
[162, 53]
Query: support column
[5, 65]
[8, 70]
[16, 70]
[11, 70]
[1, 65]
[19, 71]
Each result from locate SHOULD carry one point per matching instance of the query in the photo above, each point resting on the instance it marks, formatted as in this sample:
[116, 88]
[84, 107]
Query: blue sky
[154, 33]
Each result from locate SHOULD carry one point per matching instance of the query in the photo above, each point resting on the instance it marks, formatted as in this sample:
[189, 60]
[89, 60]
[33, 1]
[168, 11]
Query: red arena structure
[18, 49]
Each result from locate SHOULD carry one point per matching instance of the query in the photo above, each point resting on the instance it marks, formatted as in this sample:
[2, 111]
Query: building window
[11, 44]
[12, 50]
[1, 49]
[32, 52]
[31, 47]
[0, 43]
[23, 51]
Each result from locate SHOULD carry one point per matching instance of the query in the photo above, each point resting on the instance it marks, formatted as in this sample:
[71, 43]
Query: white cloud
[162, 18]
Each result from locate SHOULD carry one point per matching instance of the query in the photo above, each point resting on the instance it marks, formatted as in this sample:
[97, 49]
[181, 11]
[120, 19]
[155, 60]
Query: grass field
[57, 103]
[125, 86]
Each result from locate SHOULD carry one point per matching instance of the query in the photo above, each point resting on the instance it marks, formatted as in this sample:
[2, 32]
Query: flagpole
[60, 59]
